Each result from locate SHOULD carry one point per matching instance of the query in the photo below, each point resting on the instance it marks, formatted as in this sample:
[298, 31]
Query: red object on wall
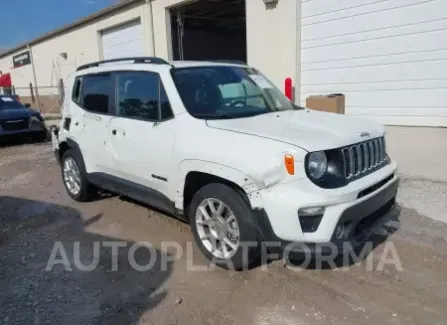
[288, 88]
[5, 80]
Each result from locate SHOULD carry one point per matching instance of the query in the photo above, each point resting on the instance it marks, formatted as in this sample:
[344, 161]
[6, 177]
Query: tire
[86, 190]
[242, 257]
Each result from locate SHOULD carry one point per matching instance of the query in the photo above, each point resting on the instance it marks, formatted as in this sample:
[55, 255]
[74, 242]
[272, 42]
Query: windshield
[228, 92]
[7, 102]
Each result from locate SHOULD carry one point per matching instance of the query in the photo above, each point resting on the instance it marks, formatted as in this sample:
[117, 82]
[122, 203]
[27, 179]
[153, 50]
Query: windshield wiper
[296, 107]
[214, 116]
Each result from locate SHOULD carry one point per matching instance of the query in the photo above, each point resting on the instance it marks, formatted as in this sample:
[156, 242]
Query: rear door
[93, 98]
[142, 134]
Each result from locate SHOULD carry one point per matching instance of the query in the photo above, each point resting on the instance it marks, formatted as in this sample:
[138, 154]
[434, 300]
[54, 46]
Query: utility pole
[34, 76]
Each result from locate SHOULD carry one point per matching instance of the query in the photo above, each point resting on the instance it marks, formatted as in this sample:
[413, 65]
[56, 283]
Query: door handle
[114, 132]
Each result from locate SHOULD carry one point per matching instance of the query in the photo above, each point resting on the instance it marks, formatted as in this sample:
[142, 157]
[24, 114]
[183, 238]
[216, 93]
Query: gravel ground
[38, 221]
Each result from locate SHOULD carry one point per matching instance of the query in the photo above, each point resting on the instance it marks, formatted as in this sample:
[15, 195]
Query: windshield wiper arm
[296, 107]
[212, 115]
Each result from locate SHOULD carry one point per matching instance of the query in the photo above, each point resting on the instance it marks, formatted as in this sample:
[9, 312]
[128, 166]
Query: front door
[142, 134]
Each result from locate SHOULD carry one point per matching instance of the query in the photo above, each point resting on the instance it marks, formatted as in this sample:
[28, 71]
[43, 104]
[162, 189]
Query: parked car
[220, 146]
[17, 119]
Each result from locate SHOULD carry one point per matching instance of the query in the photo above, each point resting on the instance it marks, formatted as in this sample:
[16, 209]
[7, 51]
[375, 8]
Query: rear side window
[141, 95]
[96, 93]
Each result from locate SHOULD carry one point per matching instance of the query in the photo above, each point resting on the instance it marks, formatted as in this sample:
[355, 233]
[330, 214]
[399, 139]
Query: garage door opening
[209, 30]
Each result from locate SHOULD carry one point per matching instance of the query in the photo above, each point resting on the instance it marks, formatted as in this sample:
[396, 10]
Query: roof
[123, 64]
[122, 4]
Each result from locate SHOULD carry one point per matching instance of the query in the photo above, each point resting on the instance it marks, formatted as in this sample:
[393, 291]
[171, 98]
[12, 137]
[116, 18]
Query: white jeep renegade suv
[218, 145]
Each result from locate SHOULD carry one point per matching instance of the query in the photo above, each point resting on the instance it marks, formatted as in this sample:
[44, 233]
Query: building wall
[273, 40]
[20, 77]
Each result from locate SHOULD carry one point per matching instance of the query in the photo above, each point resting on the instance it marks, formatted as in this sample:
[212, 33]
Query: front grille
[14, 124]
[364, 157]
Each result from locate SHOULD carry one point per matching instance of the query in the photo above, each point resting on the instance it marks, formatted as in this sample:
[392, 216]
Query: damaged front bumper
[350, 209]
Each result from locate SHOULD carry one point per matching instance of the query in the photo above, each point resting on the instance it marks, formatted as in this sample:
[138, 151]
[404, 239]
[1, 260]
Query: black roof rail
[229, 61]
[142, 59]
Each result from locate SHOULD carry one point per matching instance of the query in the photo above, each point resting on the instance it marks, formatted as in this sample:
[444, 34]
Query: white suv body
[268, 160]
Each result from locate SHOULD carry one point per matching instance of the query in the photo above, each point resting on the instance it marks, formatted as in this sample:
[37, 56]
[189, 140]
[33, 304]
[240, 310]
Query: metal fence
[46, 99]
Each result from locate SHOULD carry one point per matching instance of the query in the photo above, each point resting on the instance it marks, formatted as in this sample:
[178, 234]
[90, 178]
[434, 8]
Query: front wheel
[223, 227]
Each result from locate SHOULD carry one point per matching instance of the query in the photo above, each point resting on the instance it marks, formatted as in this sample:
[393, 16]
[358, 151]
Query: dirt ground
[403, 281]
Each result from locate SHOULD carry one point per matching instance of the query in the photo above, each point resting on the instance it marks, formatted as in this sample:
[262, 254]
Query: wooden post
[32, 92]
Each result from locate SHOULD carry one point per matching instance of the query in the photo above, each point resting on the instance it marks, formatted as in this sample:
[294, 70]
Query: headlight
[317, 164]
[34, 120]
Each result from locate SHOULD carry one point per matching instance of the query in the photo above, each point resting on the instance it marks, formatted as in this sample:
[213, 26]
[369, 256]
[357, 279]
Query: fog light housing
[313, 211]
[310, 218]
[342, 231]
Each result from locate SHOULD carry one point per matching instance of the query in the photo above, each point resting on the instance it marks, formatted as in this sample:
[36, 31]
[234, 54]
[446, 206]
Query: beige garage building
[386, 56]
[171, 29]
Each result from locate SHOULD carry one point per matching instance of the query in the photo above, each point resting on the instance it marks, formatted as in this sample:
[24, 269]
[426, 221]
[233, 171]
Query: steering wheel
[239, 102]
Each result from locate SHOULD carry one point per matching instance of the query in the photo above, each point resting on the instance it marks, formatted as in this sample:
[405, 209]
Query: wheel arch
[194, 174]
[69, 144]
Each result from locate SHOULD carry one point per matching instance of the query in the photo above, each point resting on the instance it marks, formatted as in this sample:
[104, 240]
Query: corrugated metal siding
[389, 57]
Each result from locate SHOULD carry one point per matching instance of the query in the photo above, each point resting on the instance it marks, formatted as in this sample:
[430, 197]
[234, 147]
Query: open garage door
[387, 57]
[209, 30]
[123, 41]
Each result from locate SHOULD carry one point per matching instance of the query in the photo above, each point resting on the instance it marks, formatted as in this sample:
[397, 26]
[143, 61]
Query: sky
[24, 20]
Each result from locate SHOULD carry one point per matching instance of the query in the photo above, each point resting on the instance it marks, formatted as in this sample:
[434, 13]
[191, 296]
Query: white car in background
[218, 145]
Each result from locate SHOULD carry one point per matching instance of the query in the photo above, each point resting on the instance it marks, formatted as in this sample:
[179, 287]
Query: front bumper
[34, 129]
[279, 222]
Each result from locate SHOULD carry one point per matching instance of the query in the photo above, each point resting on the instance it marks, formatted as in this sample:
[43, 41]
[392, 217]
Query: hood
[13, 113]
[308, 129]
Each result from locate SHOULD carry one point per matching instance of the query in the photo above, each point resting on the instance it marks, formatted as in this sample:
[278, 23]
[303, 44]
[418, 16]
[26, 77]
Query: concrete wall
[273, 37]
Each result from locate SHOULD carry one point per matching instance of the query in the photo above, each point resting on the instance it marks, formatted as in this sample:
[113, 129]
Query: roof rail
[142, 59]
[229, 61]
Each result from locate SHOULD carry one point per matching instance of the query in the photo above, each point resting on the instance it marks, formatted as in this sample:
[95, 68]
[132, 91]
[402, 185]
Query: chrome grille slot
[382, 154]
[371, 155]
[359, 158]
[356, 159]
[366, 157]
[363, 157]
[376, 149]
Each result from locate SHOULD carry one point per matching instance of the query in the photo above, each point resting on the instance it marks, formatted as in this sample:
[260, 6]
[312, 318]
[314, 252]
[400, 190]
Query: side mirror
[28, 105]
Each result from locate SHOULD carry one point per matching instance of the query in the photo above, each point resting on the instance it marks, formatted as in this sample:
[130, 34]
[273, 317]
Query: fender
[74, 146]
[244, 181]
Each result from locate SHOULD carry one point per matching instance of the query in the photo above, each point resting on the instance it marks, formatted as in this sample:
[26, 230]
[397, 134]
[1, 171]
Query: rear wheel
[223, 227]
[73, 176]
